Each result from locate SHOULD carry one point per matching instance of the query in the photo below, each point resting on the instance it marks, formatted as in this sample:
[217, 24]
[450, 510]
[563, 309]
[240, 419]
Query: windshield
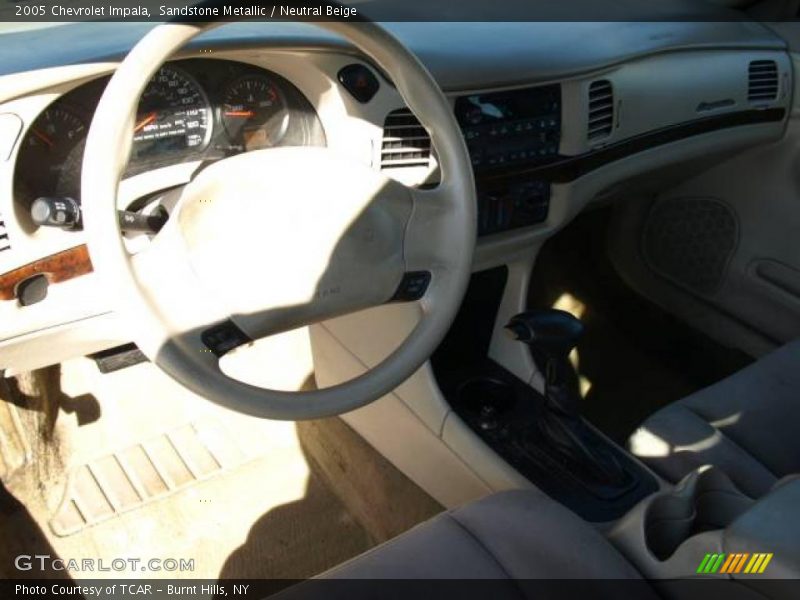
[14, 27]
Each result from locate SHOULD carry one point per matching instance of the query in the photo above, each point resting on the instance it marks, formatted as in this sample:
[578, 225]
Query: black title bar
[25, 11]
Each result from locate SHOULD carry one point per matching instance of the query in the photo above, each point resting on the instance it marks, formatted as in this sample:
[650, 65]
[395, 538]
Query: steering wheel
[270, 240]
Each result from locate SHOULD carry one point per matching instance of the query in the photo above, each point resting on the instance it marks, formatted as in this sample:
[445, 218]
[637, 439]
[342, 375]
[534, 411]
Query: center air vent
[4, 243]
[405, 141]
[601, 110]
[762, 81]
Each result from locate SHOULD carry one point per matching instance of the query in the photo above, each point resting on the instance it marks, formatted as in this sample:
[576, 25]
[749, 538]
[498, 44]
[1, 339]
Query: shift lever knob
[553, 332]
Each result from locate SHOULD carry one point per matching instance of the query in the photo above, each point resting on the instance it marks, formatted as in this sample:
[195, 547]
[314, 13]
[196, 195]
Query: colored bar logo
[742, 562]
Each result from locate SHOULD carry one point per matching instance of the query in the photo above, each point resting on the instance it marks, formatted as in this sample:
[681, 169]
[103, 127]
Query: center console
[541, 435]
[705, 527]
[515, 128]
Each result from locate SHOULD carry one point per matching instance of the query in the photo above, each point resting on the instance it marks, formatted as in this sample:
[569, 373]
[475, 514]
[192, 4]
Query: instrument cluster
[194, 109]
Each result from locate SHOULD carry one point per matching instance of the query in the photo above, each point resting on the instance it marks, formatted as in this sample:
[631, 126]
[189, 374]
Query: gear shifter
[552, 335]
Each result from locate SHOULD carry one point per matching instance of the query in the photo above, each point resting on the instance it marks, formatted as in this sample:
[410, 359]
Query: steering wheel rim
[439, 234]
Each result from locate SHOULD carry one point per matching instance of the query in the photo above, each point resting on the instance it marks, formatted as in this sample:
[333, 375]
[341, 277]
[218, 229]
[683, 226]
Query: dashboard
[552, 121]
[191, 110]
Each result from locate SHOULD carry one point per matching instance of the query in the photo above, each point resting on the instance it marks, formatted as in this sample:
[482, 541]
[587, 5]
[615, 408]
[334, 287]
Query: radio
[514, 127]
[504, 130]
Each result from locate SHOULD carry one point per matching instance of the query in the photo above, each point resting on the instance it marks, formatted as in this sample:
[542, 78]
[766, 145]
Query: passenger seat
[748, 425]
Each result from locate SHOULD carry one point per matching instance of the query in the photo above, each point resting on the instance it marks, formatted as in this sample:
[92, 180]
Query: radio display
[510, 127]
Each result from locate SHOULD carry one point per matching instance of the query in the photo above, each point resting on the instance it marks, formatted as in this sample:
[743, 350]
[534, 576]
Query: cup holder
[705, 500]
[486, 398]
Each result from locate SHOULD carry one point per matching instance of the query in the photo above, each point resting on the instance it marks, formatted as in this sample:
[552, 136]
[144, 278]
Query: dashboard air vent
[405, 141]
[601, 110]
[5, 244]
[762, 81]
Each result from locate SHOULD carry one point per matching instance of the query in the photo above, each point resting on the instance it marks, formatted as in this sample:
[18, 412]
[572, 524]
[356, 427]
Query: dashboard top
[462, 56]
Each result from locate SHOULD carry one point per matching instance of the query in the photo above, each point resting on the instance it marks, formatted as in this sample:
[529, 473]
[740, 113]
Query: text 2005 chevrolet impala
[491, 292]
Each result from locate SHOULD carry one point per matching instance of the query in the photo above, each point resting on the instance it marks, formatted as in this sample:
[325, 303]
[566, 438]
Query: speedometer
[174, 115]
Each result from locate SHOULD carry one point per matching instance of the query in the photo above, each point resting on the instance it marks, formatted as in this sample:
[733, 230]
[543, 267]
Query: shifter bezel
[543, 468]
[463, 358]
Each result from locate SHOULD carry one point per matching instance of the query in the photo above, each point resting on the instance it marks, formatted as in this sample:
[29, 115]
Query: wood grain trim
[56, 267]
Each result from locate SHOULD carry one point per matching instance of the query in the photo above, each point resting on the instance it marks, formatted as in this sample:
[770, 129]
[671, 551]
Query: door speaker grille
[691, 241]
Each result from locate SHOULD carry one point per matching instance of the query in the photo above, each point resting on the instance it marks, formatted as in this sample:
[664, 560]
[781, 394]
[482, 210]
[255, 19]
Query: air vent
[5, 244]
[601, 110]
[762, 81]
[405, 141]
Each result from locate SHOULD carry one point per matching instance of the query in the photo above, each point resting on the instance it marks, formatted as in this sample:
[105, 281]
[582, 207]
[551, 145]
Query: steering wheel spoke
[427, 243]
[184, 307]
[431, 234]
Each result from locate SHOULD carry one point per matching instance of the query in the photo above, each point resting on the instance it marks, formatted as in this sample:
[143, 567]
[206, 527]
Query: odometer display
[174, 115]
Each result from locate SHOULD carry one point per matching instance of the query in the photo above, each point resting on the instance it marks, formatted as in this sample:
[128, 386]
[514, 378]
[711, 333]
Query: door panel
[722, 250]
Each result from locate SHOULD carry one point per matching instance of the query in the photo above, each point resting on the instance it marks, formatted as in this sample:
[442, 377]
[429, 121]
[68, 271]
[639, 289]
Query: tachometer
[174, 115]
[254, 112]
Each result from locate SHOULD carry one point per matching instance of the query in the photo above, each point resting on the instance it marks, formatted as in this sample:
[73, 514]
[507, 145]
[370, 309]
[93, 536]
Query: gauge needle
[240, 113]
[145, 122]
[43, 137]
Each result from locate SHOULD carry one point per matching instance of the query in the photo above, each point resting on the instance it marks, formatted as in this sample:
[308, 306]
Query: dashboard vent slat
[762, 81]
[405, 141]
[601, 110]
[5, 243]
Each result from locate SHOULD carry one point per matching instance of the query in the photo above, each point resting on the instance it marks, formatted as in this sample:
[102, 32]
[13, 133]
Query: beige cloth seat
[522, 545]
[748, 425]
[510, 535]
[516, 545]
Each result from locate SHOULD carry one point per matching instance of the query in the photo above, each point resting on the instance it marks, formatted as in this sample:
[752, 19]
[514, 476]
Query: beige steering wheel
[274, 239]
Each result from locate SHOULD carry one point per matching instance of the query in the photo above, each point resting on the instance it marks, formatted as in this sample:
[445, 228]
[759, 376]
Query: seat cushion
[510, 535]
[515, 545]
[745, 425]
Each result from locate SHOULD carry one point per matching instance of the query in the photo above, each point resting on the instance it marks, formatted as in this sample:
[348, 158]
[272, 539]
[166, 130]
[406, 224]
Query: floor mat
[131, 465]
[634, 358]
[145, 472]
[164, 474]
